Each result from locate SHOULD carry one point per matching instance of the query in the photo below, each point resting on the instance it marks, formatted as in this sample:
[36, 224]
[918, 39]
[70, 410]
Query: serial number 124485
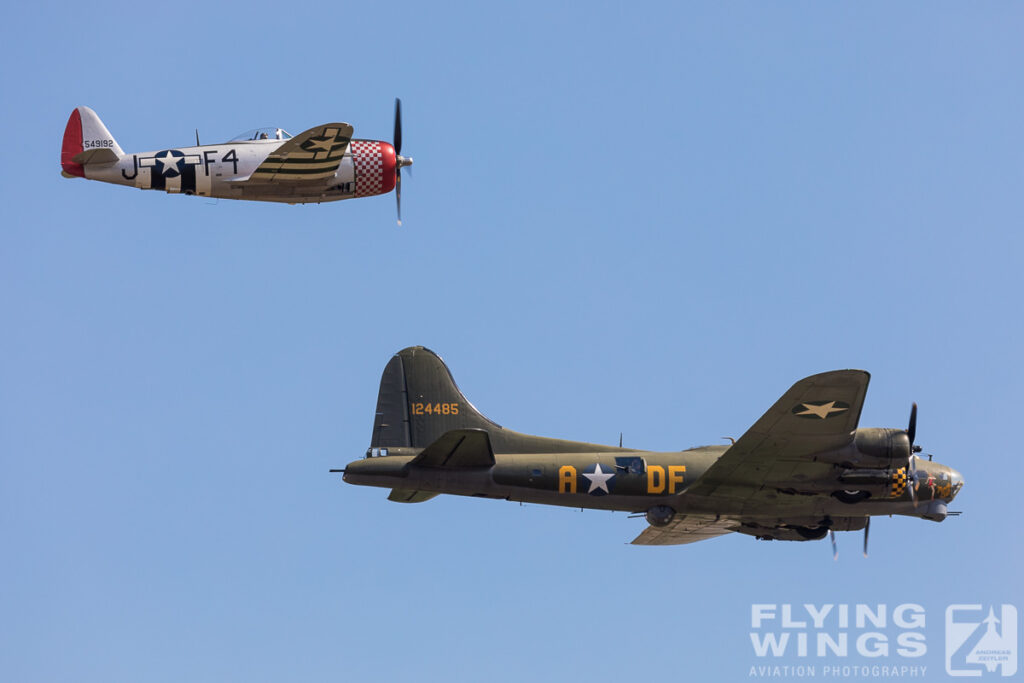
[435, 408]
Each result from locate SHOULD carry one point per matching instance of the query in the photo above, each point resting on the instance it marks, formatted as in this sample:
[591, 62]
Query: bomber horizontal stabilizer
[457, 449]
[411, 496]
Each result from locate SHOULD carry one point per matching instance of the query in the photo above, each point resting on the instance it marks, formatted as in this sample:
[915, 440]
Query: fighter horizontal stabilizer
[411, 496]
[96, 157]
[457, 449]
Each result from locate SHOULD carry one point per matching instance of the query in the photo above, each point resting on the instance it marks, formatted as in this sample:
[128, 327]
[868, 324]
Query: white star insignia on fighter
[169, 163]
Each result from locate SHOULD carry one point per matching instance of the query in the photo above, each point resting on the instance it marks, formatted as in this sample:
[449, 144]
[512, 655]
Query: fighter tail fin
[86, 140]
[419, 401]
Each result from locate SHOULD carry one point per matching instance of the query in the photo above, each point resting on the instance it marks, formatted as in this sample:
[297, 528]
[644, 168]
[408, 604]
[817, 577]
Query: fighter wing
[686, 529]
[311, 155]
[819, 413]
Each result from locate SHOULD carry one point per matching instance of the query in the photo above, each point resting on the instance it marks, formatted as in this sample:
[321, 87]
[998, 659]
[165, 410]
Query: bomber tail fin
[86, 141]
[419, 401]
[418, 404]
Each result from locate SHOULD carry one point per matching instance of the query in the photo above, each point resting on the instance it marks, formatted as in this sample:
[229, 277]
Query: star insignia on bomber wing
[170, 162]
[820, 409]
[598, 480]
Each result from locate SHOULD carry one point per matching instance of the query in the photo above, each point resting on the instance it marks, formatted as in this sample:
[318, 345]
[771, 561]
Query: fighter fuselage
[224, 171]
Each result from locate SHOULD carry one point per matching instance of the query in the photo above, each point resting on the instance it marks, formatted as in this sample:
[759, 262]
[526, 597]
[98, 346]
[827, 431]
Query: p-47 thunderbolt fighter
[323, 164]
[801, 472]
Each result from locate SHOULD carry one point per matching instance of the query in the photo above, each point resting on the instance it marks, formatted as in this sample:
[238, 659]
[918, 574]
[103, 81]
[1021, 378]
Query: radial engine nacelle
[873, 448]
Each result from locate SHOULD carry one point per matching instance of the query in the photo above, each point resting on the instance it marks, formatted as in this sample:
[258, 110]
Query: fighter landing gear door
[344, 180]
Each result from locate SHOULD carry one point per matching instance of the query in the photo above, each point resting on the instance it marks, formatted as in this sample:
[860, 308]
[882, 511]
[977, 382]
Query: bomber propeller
[912, 480]
[912, 475]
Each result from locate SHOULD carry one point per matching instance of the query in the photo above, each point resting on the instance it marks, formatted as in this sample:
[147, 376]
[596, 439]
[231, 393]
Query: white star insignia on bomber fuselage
[598, 480]
[803, 470]
[318, 165]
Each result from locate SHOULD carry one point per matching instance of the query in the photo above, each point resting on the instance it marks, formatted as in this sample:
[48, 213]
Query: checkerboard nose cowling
[374, 166]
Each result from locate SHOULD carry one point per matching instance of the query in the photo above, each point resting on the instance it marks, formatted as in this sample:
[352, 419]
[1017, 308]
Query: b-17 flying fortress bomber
[322, 164]
[801, 472]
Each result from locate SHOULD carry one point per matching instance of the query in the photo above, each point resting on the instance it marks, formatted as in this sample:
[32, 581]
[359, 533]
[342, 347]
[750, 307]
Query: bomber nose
[957, 481]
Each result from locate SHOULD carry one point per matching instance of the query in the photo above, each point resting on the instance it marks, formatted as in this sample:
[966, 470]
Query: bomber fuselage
[635, 481]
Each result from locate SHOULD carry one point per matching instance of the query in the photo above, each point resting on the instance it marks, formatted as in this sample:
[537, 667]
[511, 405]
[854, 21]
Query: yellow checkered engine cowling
[899, 483]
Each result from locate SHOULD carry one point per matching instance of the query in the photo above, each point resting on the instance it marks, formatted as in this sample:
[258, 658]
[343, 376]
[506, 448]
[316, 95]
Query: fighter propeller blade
[398, 126]
[835, 550]
[400, 161]
[398, 195]
[867, 527]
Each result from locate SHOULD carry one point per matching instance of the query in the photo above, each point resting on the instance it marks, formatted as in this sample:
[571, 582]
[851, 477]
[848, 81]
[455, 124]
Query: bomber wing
[818, 413]
[686, 529]
[311, 155]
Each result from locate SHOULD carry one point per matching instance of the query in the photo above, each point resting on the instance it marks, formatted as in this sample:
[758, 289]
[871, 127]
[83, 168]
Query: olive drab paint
[803, 469]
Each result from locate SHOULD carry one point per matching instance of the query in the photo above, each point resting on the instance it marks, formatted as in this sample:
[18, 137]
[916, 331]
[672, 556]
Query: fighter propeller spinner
[322, 164]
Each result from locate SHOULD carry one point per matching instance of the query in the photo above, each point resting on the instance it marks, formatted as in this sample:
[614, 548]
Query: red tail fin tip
[72, 145]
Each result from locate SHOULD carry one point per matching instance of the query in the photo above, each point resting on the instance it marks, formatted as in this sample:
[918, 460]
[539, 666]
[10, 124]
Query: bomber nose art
[957, 482]
[801, 472]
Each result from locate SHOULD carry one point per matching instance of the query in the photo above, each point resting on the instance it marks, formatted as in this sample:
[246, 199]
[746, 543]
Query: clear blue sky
[648, 220]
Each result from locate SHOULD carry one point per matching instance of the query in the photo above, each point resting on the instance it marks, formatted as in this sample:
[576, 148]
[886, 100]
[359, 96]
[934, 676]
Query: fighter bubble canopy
[261, 134]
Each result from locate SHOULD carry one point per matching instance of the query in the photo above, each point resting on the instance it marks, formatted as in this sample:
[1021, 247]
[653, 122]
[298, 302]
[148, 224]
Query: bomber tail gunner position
[322, 164]
[799, 473]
